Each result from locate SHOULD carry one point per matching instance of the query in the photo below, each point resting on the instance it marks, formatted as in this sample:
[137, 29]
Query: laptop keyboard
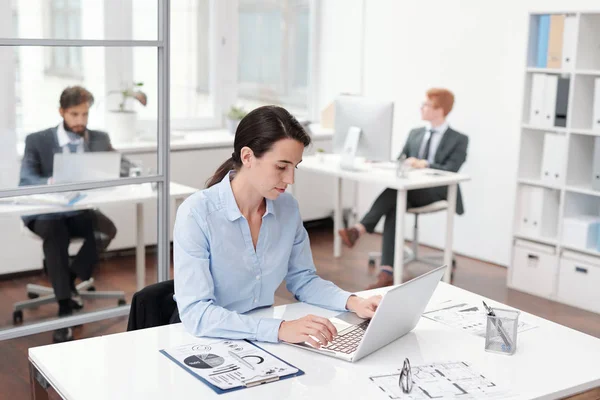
[349, 341]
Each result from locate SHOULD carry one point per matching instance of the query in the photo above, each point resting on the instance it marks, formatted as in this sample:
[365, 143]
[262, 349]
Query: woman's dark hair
[259, 130]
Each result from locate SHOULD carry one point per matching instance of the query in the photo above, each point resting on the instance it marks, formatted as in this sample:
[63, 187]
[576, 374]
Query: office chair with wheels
[40, 294]
[411, 253]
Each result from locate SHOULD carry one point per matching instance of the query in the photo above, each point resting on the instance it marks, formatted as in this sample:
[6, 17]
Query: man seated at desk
[57, 229]
[434, 146]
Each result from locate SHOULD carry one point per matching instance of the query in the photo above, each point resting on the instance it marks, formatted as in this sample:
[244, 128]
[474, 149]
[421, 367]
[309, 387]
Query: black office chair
[40, 294]
[153, 306]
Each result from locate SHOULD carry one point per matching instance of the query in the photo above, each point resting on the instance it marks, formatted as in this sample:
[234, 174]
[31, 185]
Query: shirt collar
[228, 200]
[440, 129]
[63, 136]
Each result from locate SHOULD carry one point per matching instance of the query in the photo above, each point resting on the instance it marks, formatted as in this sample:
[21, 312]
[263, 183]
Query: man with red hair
[436, 146]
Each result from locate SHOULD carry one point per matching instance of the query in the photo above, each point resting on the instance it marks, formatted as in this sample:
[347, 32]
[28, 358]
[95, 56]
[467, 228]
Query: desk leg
[140, 248]
[399, 242]
[338, 212]
[39, 386]
[452, 189]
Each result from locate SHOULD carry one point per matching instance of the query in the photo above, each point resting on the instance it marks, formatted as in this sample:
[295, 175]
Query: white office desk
[416, 179]
[137, 194]
[551, 361]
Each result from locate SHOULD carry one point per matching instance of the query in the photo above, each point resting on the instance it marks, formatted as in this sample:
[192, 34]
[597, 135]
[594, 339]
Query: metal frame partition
[161, 177]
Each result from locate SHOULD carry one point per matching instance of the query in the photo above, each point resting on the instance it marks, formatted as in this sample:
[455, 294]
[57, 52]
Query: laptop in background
[81, 167]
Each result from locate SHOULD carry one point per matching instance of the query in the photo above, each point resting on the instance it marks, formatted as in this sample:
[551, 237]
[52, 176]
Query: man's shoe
[349, 236]
[383, 279]
[62, 335]
[76, 301]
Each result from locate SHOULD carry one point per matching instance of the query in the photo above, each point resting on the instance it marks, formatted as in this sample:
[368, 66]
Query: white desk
[551, 361]
[137, 194]
[416, 179]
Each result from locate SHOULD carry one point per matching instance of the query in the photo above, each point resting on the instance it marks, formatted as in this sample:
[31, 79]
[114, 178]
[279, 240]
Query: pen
[240, 359]
[498, 325]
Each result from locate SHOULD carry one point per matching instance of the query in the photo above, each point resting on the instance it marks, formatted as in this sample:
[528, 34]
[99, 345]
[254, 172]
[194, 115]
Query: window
[65, 23]
[18, 102]
[273, 55]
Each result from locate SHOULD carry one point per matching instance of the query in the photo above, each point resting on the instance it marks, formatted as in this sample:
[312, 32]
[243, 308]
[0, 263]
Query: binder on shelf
[596, 165]
[538, 84]
[555, 41]
[562, 102]
[569, 41]
[550, 96]
[539, 211]
[553, 159]
[542, 47]
[596, 113]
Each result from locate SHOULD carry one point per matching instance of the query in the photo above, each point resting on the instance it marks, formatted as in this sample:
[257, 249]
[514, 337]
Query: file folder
[553, 159]
[537, 99]
[550, 95]
[542, 47]
[562, 102]
[596, 113]
[569, 41]
[555, 41]
[596, 165]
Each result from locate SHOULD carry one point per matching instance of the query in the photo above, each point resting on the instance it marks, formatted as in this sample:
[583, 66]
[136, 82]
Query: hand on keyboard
[316, 331]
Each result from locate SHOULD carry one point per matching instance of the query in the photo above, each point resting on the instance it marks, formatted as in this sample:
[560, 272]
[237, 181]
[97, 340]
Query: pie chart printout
[204, 361]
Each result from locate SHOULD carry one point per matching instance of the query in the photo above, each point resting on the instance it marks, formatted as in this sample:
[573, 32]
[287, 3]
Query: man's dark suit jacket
[38, 158]
[449, 156]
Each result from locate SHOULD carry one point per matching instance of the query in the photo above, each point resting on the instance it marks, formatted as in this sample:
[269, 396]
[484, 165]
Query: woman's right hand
[307, 329]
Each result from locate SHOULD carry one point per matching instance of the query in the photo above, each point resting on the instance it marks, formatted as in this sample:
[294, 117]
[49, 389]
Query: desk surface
[381, 173]
[551, 361]
[98, 197]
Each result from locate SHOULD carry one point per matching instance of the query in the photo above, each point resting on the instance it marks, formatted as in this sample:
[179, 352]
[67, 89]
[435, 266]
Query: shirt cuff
[340, 300]
[268, 330]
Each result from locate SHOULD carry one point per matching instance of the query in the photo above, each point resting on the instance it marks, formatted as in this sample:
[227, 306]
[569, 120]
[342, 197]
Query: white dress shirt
[438, 134]
[64, 139]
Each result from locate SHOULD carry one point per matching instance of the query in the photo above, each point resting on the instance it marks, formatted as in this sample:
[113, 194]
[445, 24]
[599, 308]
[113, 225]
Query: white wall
[477, 50]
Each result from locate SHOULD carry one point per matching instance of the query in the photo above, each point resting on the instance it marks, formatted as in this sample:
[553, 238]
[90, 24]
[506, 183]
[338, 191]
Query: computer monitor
[375, 120]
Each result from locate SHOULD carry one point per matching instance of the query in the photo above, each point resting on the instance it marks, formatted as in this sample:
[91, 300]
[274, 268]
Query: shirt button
[257, 277]
[256, 301]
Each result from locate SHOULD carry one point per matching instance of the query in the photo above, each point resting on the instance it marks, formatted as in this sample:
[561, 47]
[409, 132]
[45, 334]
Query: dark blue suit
[58, 229]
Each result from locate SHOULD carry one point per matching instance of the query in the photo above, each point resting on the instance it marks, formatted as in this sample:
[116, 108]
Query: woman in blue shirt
[236, 241]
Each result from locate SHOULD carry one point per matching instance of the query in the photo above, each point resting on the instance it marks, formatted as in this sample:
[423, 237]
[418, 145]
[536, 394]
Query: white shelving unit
[559, 169]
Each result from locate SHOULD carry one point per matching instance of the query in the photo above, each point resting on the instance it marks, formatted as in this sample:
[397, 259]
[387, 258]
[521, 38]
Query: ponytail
[220, 173]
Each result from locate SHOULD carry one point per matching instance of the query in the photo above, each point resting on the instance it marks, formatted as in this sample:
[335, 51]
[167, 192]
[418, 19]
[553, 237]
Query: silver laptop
[398, 313]
[80, 167]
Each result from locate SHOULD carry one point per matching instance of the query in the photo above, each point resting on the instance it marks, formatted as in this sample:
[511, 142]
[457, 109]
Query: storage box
[581, 232]
[533, 268]
[579, 281]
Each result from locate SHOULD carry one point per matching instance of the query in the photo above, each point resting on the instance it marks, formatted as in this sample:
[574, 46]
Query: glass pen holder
[501, 331]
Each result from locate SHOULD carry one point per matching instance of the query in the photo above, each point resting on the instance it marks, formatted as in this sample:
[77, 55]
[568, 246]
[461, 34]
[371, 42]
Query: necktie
[428, 145]
[73, 147]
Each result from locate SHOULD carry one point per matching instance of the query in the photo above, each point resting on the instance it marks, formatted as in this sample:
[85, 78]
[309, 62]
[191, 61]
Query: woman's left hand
[364, 308]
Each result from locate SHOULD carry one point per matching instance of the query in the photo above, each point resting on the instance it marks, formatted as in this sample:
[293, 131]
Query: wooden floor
[350, 272]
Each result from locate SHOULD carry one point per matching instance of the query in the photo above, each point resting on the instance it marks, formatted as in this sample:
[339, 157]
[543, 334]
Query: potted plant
[121, 122]
[233, 118]
[320, 153]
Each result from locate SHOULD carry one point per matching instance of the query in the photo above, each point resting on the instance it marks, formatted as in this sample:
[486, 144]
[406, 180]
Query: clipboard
[248, 383]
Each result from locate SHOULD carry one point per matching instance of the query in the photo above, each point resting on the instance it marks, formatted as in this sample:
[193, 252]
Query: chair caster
[17, 317]
[91, 289]
[33, 295]
[122, 302]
